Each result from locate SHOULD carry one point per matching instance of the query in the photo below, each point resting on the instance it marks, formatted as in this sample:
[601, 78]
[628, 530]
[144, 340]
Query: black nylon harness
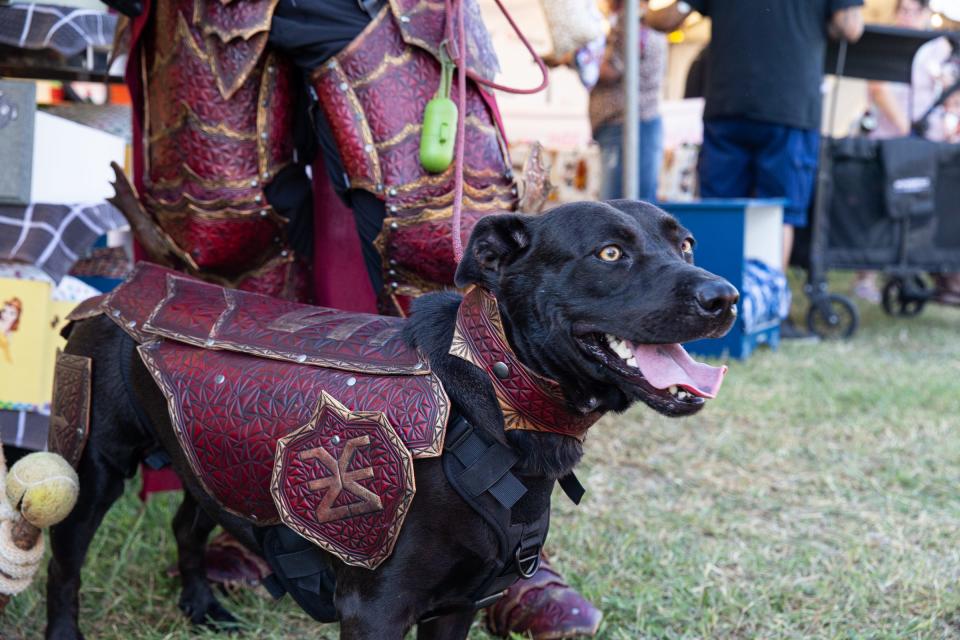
[481, 472]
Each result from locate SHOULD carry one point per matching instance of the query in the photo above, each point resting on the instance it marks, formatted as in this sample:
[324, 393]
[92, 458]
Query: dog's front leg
[373, 612]
[454, 626]
[372, 628]
[192, 527]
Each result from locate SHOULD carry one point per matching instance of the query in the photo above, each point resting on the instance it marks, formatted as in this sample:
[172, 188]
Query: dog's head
[598, 296]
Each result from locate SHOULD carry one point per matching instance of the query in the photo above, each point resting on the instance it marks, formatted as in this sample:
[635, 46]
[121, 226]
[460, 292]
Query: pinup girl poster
[10, 312]
[26, 340]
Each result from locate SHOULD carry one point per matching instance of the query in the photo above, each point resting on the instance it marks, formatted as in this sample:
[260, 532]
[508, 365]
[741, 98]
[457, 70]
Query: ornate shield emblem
[345, 481]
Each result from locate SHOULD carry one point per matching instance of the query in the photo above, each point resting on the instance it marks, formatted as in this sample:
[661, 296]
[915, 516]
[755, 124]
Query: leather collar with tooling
[528, 401]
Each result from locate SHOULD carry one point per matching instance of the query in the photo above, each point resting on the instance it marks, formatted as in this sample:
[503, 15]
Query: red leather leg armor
[374, 94]
[217, 129]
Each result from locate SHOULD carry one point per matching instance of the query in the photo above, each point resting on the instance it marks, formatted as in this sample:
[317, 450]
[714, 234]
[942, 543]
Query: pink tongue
[666, 365]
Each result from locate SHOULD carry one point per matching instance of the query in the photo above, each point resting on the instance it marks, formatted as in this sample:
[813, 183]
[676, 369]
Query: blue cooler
[741, 240]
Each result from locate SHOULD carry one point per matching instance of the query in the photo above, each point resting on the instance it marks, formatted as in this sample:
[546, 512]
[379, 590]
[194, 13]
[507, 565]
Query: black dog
[590, 294]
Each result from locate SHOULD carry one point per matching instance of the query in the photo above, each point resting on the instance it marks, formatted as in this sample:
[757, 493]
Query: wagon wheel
[905, 297]
[833, 317]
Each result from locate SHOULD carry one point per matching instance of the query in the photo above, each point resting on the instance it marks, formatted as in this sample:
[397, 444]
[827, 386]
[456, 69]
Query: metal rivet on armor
[332, 64]
[265, 104]
[335, 440]
[254, 182]
[266, 175]
[393, 208]
[263, 135]
[513, 191]
[79, 431]
[259, 198]
[132, 324]
[343, 86]
[284, 253]
[392, 272]
[404, 18]
[575, 611]
[394, 285]
[301, 358]
[220, 378]
[418, 366]
[501, 370]
[393, 263]
[263, 213]
[379, 187]
[271, 69]
[115, 313]
[394, 226]
[253, 516]
[393, 191]
[368, 148]
[276, 238]
[351, 381]
[208, 342]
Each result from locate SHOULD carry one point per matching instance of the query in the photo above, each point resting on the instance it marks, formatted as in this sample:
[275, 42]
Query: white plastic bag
[572, 24]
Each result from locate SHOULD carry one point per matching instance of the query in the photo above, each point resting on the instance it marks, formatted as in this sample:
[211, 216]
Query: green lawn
[816, 498]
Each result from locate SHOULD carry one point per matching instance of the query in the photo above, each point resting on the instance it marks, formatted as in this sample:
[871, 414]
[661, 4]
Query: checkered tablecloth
[54, 236]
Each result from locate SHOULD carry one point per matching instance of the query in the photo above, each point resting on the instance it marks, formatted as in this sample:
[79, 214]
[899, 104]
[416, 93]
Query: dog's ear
[495, 239]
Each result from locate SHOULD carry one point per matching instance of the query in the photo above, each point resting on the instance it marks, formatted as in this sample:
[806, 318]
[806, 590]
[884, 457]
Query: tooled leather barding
[240, 375]
[70, 408]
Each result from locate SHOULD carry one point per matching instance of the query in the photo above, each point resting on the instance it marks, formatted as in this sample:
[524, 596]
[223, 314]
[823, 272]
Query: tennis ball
[44, 486]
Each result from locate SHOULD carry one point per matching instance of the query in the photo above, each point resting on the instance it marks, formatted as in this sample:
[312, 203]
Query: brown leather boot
[230, 564]
[947, 288]
[543, 607]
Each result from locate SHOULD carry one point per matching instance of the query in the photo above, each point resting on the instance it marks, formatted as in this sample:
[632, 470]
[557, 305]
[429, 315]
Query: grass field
[816, 498]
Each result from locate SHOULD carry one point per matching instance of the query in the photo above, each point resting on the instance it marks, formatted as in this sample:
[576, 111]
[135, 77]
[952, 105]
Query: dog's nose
[716, 297]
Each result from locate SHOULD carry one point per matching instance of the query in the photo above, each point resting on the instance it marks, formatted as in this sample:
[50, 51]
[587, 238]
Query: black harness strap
[480, 471]
[301, 569]
[572, 487]
[486, 467]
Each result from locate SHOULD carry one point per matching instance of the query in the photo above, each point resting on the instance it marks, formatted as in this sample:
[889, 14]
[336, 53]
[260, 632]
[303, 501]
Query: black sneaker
[790, 331]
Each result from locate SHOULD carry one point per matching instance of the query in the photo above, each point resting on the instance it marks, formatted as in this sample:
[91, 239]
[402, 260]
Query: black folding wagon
[882, 205]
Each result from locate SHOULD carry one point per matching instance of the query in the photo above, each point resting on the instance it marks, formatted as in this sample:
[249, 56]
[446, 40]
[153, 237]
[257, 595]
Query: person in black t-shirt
[763, 100]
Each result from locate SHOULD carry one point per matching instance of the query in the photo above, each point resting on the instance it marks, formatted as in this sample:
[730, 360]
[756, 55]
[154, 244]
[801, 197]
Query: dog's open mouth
[668, 379]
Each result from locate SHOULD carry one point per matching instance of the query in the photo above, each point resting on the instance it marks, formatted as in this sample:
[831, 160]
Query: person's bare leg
[787, 246]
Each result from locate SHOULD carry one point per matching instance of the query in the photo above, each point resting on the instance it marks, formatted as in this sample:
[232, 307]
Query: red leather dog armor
[374, 93]
[328, 407]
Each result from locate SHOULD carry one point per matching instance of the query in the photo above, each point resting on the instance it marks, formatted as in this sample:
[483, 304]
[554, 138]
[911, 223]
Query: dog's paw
[61, 633]
[208, 612]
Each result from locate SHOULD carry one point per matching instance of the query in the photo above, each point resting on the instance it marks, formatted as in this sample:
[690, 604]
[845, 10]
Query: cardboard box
[18, 105]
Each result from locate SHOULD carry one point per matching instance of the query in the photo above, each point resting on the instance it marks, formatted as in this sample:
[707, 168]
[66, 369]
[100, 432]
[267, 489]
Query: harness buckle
[529, 565]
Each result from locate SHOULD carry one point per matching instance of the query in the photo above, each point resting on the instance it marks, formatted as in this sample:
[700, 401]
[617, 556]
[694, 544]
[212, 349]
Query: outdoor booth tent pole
[631, 86]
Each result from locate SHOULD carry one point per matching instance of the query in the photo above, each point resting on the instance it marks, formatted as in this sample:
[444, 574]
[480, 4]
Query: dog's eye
[610, 253]
[686, 246]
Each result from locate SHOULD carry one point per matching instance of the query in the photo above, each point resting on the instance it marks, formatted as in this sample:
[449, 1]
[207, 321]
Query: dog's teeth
[611, 339]
[673, 390]
[683, 395]
[632, 362]
[621, 349]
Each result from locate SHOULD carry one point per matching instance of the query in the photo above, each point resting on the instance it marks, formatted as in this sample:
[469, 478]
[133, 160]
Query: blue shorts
[743, 158]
